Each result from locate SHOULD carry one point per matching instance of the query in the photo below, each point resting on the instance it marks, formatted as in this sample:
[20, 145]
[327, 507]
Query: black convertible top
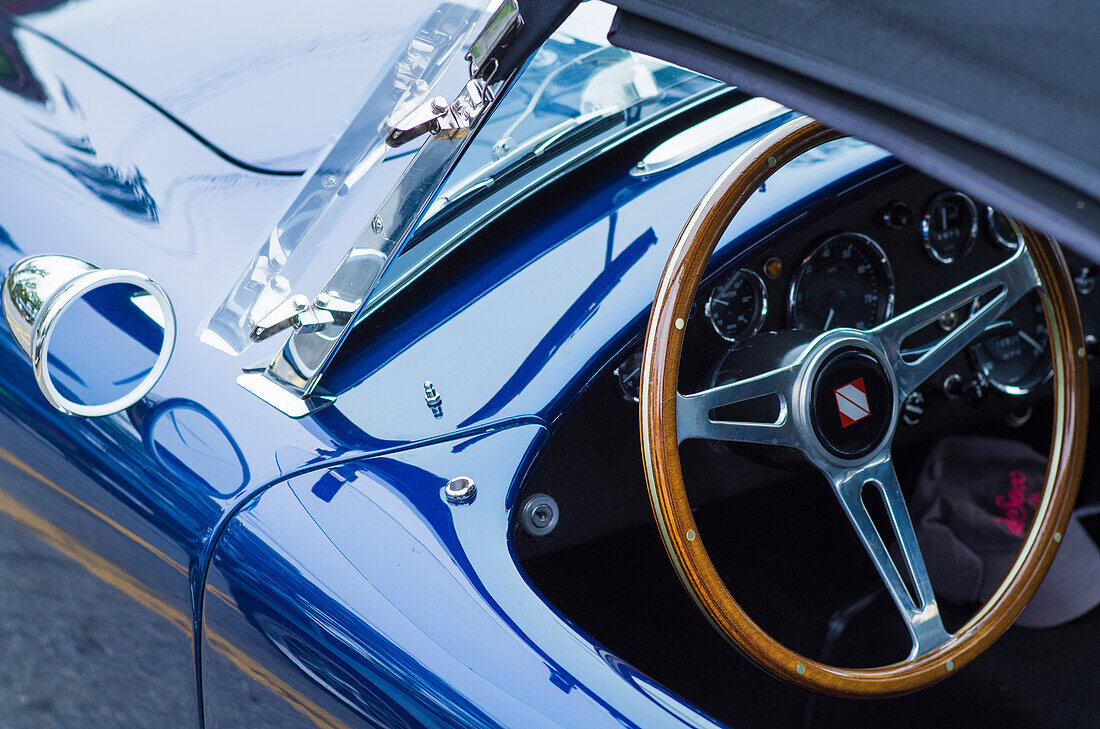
[998, 98]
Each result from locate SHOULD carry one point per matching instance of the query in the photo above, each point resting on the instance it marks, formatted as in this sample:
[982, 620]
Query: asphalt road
[76, 651]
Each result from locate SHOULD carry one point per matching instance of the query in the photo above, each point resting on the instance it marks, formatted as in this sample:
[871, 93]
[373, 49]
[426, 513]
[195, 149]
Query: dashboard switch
[972, 391]
[897, 215]
[912, 410]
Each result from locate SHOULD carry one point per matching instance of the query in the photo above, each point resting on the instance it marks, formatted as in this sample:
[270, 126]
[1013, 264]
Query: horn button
[852, 403]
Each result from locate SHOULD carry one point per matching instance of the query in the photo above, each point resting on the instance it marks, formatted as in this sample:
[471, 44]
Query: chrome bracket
[438, 118]
[303, 315]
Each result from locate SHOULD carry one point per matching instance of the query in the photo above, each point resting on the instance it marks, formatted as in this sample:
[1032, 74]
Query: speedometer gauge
[949, 227]
[737, 306]
[844, 282]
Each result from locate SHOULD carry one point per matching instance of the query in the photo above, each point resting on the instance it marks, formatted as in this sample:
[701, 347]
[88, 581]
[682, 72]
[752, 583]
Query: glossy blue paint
[557, 303]
[300, 581]
[269, 87]
[139, 500]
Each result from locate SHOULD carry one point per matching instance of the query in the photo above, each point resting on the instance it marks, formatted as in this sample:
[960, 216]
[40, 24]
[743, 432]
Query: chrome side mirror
[98, 339]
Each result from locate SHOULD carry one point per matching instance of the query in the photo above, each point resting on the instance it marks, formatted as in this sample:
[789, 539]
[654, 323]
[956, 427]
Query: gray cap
[972, 509]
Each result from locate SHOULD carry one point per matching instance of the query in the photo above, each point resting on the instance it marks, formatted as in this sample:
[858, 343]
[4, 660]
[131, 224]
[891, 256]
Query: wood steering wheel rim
[660, 450]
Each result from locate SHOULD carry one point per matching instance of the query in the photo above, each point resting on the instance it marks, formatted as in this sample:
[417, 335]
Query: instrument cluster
[857, 267]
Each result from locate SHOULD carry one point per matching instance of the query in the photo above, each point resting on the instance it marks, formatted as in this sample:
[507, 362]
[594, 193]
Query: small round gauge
[737, 306]
[949, 226]
[1014, 352]
[844, 282]
[628, 376]
[1004, 229]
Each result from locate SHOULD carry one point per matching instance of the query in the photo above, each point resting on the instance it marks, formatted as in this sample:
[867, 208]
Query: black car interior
[776, 533]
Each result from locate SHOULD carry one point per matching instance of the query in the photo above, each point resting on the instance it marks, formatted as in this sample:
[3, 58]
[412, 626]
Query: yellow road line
[112, 575]
[9, 458]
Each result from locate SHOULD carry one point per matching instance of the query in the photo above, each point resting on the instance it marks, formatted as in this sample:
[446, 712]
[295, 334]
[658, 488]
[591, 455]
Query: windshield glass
[366, 218]
[576, 93]
[573, 81]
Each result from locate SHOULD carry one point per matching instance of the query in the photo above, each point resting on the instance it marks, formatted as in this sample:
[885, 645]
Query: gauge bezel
[626, 394]
[984, 368]
[926, 228]
[866, 240]
[757, 323]
[990, 211]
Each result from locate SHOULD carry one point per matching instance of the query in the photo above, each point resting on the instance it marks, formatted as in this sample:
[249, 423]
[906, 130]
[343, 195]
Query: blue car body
[229, 566]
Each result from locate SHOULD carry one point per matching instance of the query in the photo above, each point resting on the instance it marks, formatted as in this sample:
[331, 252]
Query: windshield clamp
[452, 121]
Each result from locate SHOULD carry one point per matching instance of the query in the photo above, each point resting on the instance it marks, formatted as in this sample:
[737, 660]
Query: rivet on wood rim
[950, 665]
[800, 668]
[679, 323]
[1057, 537]
[690, 535]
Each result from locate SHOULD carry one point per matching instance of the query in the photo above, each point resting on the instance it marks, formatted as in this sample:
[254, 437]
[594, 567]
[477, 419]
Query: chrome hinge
[303, 315]
[438, 118]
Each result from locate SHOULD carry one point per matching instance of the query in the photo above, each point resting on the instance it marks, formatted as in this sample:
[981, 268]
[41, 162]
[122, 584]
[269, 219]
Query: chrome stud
[433, 400]
[460, 490]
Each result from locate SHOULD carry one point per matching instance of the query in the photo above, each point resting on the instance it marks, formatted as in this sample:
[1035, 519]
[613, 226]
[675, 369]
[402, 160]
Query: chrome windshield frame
[290, 380]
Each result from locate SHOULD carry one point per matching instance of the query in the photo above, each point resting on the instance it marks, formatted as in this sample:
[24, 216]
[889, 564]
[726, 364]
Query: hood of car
[997, 98]
[267, 88]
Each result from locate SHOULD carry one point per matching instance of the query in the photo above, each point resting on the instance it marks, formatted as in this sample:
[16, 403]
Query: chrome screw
[376, 225]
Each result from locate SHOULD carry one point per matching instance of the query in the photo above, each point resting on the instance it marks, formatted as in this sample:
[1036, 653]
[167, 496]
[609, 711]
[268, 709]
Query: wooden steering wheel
[851, 461]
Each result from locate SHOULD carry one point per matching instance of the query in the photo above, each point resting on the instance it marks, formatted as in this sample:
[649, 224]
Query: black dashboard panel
[892, 215]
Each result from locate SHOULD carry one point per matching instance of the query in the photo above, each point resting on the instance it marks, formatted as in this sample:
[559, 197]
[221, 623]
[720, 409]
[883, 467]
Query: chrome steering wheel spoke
[1008, 282]
[693, 412]
[920, 611]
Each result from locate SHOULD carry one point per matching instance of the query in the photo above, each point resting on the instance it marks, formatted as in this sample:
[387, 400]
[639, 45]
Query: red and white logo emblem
[851, 402]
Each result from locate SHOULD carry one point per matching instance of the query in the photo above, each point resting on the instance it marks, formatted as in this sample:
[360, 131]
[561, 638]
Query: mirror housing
[113, 320]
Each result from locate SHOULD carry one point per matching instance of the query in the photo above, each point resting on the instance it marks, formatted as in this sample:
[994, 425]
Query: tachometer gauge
[844, 282]
[949, 227]
[1003, 229]
[737, 306]
[1014, 352]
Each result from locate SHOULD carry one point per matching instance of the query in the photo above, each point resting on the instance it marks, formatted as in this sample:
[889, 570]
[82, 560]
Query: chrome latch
[451, 121]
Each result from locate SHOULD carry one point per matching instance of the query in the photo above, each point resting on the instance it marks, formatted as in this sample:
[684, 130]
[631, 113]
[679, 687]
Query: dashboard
[892, 250]
[854, 259]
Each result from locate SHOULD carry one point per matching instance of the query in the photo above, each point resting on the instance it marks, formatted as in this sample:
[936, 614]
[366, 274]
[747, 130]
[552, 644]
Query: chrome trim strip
[704, 136]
